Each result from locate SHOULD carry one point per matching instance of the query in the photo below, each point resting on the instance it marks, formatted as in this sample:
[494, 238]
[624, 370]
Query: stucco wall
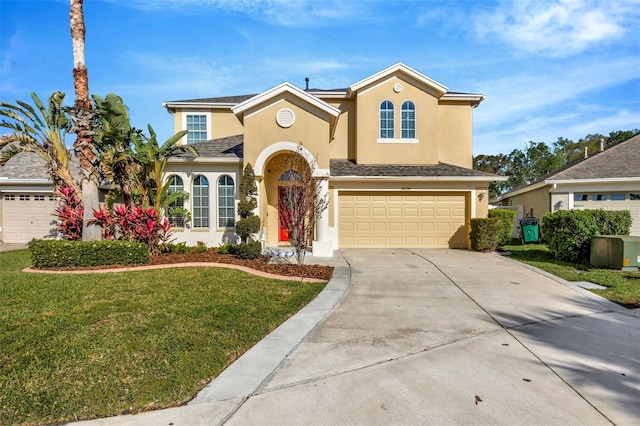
[455, 133]
[534, 203]
[311, 129]
[370, 149]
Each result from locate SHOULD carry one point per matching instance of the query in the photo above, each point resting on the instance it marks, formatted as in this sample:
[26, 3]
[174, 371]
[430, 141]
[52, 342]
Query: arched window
[290, 175]
[176, 218]
[200, 202]
[386, 120]
[226, 202]
[408, 120]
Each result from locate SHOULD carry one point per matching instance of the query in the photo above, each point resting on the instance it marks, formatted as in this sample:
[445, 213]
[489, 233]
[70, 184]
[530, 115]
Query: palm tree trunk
[84, 145]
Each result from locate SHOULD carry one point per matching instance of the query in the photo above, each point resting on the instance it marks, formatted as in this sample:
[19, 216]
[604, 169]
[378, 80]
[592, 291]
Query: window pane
[226, 202]
[386, 120]
[408, 120]
[197, 127]
[617, 197]
[200, 203]
[175, 185]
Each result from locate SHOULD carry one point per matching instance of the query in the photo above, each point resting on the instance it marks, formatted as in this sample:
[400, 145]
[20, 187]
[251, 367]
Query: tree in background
[249, 223]
[496, 164]
[523, 167]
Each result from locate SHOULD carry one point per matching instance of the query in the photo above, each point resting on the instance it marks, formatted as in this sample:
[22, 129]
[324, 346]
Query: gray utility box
[616, 251]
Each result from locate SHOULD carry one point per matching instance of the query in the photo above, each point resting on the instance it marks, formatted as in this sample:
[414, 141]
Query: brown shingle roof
[229, 147]
[349, 168]
[619, 161]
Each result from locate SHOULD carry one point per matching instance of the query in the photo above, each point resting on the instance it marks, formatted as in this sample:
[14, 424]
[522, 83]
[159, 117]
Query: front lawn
[622, 287]
[83, 346]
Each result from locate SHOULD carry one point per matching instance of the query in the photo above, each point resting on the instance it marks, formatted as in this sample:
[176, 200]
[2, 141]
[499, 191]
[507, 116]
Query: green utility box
[529, 230]
[616, 251]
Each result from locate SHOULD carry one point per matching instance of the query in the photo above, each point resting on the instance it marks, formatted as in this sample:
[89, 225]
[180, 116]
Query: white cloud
[288, 13]
[558, 28]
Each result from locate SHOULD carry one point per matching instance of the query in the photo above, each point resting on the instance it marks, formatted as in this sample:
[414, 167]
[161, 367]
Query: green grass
[622, 287]
[83, 346]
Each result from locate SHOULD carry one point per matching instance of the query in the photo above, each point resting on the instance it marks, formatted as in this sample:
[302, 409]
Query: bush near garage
[248, 250]
[567, 233]
[64, 254]
[508, 218]
[486, 233]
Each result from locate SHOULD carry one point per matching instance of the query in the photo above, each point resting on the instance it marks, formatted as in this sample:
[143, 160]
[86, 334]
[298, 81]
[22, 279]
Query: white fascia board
[601, 180]
[417, 178]
[7, 181]
[212, 160]
[330, 95]
[439, 87]
[198, 105]
[464, 97]
[285, 88]
[531, 187]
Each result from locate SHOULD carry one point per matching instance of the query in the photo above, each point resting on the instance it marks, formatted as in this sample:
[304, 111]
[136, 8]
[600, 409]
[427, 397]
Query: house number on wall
[405, 188]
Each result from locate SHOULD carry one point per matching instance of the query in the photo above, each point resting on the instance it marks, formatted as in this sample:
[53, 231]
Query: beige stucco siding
[342, 145]
[371, 150]
[455, 134]
[221, 122]
[311, 129]
[534, 203]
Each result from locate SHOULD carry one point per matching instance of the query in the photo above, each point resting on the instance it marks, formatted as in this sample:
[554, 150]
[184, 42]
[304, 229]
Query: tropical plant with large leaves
[40, 130]
[154, 157]
[119, 165]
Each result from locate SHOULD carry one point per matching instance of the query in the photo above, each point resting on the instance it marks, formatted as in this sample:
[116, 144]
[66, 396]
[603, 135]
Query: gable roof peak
[440, 88]
[281, 88]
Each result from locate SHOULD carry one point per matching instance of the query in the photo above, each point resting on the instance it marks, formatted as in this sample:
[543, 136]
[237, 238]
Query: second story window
[386, 120]
[408, 120]
[197, 127]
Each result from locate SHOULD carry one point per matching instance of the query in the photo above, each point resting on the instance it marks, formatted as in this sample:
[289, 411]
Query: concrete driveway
[434, 337]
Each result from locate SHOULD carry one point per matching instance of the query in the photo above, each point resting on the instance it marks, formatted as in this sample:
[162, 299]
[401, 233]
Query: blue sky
[548, 68]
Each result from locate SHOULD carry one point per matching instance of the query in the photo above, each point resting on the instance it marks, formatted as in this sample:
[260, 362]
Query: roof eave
[440, 88]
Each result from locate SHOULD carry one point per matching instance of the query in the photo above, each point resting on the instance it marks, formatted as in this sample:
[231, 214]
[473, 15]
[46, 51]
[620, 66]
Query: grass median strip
[622, 287]
[85, 346]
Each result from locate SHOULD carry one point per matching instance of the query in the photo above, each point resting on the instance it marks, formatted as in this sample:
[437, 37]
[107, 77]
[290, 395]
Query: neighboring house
[609, 179]
[393, 153]
[26, 200]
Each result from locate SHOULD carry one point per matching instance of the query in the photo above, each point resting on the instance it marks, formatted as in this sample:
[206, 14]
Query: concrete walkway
[437, 337]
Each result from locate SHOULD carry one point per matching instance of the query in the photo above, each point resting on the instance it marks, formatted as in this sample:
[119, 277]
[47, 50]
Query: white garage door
[402, 219]
[27, 216]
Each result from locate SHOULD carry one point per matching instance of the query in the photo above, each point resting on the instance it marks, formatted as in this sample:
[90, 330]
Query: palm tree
[42, 131]
[84, 118]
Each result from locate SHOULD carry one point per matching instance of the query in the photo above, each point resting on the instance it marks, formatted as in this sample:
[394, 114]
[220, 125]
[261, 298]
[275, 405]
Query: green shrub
[508, 218]
[200, 247]
[61, 254]
[180, 248]
[249, 250]
[486, 233]
[247, 226]
[225, 248]
[567, 233]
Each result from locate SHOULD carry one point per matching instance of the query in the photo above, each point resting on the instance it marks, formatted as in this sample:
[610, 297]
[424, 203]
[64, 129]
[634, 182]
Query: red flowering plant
[139, 224]
[70, 214]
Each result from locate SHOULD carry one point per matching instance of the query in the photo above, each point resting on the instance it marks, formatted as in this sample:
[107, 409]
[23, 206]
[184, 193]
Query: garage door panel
[403, 220]
[25, 217]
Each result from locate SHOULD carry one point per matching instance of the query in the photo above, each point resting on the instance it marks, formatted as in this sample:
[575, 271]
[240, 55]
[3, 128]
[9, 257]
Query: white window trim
[207, 114]
[397, 141]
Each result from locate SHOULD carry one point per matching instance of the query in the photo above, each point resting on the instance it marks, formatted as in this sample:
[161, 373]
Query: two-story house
[393, 153]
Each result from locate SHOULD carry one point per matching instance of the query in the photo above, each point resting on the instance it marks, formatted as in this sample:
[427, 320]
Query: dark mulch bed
[259, 264]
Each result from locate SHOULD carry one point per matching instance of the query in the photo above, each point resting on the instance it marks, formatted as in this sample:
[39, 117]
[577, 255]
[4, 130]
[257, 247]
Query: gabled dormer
[405, 117]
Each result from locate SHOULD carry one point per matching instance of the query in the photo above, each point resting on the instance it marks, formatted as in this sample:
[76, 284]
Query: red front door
[284, 213]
